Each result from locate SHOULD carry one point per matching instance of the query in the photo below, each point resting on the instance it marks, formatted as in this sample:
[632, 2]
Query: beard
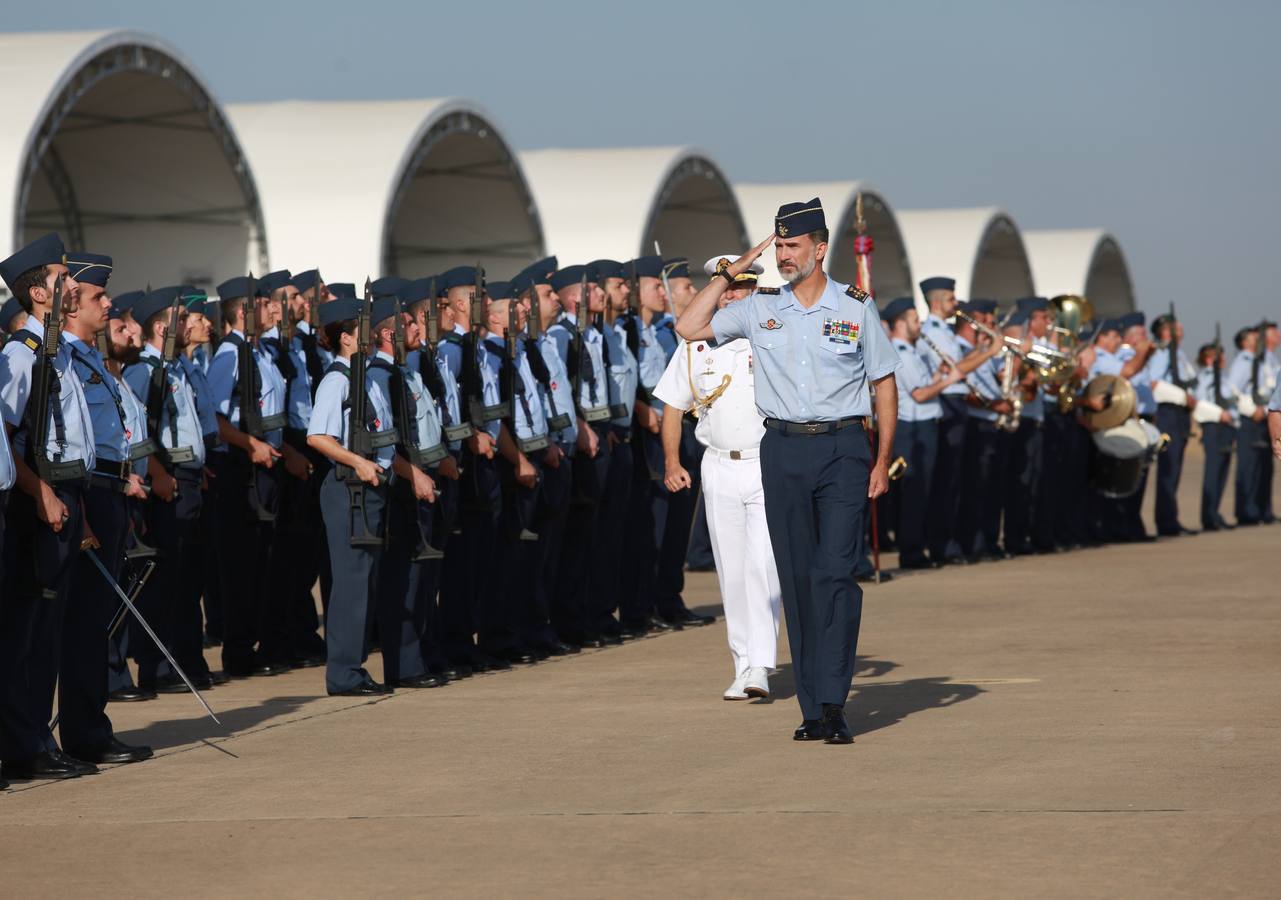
[126, 355]
[800, 273]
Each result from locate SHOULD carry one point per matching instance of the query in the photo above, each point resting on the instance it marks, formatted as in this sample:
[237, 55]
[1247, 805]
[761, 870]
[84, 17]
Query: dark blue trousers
[1253, 455]
[917, 443]
[37, 567]
[1176, 421]
[290, 619]
[354, 573]
[1219, 441]
[427, 605]
[1022, 485]
[82, 676]
[604, 581]
[470, 576]
[815, 495]
[647, 501]
[980, 492]
[945, 490]
[550, 517]
[570, 613]
[673, 524]
[399, 581]
[507, 620]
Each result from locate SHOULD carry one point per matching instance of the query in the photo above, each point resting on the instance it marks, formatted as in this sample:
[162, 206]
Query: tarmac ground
[1103, 723]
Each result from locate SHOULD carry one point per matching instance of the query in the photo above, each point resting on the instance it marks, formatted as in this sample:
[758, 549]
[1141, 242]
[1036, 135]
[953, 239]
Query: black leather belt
[114, 468]
[811, 428]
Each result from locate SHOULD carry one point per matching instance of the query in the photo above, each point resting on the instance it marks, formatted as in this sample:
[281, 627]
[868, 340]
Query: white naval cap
[730, 258]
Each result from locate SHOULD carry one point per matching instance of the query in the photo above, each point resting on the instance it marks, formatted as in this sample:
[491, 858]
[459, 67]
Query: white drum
[1122, 454]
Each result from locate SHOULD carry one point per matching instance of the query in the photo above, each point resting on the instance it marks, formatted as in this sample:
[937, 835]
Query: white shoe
[756, 683]
[735, 690]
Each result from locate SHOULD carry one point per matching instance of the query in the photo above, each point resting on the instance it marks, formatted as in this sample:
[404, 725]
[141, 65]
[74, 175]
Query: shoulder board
[452, 337]
[234, 339]
[153, 361]
[28, 339]
[857, 293]
[768, 290]
[379, 363]
[338, 367]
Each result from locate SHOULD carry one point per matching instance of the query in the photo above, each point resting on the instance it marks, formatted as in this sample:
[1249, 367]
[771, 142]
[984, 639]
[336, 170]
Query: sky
[1156, 120]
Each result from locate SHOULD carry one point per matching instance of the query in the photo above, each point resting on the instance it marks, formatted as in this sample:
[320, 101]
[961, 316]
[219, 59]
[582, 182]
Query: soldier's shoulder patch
[857, 293]
[32, 344]
[768, 290]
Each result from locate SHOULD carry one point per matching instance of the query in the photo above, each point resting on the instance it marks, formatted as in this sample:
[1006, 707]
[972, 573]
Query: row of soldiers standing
[988, 479]
[473, 477]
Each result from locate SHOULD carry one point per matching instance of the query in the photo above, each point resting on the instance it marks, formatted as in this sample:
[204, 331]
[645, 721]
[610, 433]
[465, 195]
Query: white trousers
[750, 592]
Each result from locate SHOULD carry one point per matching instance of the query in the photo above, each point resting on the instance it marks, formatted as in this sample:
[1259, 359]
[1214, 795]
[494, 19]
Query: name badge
[840, 331]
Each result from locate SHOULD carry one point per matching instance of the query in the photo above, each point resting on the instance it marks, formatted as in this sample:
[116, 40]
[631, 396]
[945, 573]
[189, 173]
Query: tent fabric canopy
[981, 248]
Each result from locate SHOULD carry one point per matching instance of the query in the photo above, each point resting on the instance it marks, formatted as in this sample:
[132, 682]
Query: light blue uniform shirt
[1274, 402]
[177, 388]
[1105, 363]
[449, 408]
[205, 408]
[913, 374]
[330, 417]
[624, 374]
[426, 430]
[201, 356]
[78, 443]
[593, 390]
[223, 375]
[1158, 368]
[1034, 409]
[135, 421]
[653, 359]
[813, 364]
[451, 351]
[298, 403]
[946, 340]
[561, 387]
[665, 329]
[8, 472]
[1204, 391]
[106, 407]
[986, 381]
[529, 417]
[1139, 380]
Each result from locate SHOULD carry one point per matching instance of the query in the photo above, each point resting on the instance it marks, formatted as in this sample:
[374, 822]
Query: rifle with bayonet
[516, 385]
[361, 440]
[1256, 365]
[430, 372]
[45, 391]
[556, 420]
[634, 323]
[159, 396]
[1176, 376]
[582, 358]
[1218, 359]
[473, 379]
[248, 388]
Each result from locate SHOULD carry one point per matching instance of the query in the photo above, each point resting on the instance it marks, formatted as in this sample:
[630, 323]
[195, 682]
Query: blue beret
[43, 251]
[499, 290]
[193, 298]
[239, 287]
[459, 276]
[156, 301]
[897, 307]
[534, 274]
[89, 268]
[522, 282]
[388, 285]
[1110, 325]
[1130, 320]
[384, 308]
[10, 309]
[339, 310]
[938, 283]
[677, 267]
[542, 269]
[600, 269]
[418, 290]
[122, 303]
[305, 281]
[563, 278]
[345, 289]
[795, 219]
[1030, 305]
[273, 281]
[646, 266]
[980, 306]
[1018, 317]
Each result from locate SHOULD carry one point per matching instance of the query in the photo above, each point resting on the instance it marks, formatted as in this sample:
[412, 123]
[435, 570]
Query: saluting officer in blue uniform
[46, 517]
[247, 482]
[354, 530]
[818, 346]
[410, 512]
[82, 679]
[176, 473]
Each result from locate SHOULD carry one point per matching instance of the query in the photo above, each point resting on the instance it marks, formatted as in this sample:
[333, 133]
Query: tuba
[1071, 312]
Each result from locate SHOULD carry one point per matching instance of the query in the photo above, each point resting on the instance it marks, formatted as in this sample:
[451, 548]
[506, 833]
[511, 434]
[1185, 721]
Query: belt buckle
[735, 454]
[811, 427]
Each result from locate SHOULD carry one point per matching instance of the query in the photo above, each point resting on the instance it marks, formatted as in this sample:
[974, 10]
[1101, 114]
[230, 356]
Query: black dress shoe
[82, 767]
[689, 618]
[518, 656]
[217, 678]
[658, 623]
[540, 651]
[959, 561]
[113, 752]
[919, 563]
[870, 577]
[486, 663]
[131, 695]
[42, 765]
[810, 730]
[425, 680]
[170, 684]
[593, 641]
[837, 730]
[4, 785]
[561, 648]
[306, 661]
[631, 631]
[367, 688]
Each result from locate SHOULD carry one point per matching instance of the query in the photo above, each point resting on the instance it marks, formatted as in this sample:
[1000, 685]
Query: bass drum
[1122, 454]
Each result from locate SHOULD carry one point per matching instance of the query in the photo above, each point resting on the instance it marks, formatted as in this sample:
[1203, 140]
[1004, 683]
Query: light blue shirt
[1105, 363]
[205, 408]
[946, 340]
[529, 417]
[452, 352]
[8, 472]
[449, 408]
[1274, 403]
[78, 443]
[1204, 391]
[298, 403]
[426, 426]
[813, 364]
[223, 375]
[1158, 368]
[653, 359]
[593, 390]
[106, 407]
[913, 374]
[560, 386]
[986, 381]
[330, 417]
[183, 414]
[665, 329]
[1140, 382]
[624, 374]
[135, 419]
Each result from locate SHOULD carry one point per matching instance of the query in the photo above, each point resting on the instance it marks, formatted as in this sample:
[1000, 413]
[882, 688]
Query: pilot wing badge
[771, 324]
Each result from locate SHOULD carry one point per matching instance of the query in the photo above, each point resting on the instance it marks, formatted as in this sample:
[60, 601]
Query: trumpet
[1046, 359]
[898, 468]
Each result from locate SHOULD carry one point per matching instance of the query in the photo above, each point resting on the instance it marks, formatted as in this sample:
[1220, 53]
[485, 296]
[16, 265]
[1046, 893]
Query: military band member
[1216, 414]
[917, 433]
[247, 477]
[1030, 322]
[978, 520]
[715, 384]
[1247, 382]
[818, 347]
[1171, 381]
[1274, 421]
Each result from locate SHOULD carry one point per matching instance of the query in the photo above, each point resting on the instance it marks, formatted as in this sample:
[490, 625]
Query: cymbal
[1121, 407]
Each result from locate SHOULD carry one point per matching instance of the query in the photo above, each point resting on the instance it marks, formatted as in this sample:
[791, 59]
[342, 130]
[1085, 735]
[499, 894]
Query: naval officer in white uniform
[715, 384]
